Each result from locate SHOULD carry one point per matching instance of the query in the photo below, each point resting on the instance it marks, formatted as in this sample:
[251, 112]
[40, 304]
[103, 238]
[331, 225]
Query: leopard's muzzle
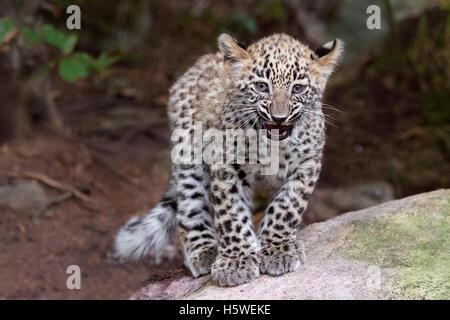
[284, 130]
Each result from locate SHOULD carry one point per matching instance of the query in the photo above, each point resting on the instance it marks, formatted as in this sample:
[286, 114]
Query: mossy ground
[413, 242]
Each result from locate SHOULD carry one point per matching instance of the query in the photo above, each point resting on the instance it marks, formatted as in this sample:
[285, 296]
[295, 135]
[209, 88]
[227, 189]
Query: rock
[23, 195]
[328, 203]
[397, 250]
[176, 286]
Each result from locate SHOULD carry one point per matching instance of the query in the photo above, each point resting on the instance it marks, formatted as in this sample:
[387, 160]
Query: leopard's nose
[278, 119]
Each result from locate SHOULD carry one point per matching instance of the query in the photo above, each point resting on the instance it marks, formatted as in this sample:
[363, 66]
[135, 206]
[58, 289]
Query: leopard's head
[278, 78]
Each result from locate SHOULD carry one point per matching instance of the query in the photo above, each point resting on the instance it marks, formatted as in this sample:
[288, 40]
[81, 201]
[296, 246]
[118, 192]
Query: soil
[36, 251]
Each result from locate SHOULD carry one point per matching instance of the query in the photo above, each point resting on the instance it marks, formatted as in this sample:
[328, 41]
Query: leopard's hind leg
[195, 221]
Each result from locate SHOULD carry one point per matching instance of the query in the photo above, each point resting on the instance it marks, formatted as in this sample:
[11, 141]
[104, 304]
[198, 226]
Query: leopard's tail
[148, 234]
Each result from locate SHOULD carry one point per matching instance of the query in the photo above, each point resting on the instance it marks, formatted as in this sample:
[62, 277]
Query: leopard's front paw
[229, 272]
[199, 262]
[278, 260]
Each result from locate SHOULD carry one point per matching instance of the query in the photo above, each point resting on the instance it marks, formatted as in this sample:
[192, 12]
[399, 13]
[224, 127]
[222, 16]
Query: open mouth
[284, 131]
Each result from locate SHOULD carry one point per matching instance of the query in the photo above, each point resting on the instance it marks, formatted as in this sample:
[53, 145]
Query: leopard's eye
[298, 89]
[262, 87]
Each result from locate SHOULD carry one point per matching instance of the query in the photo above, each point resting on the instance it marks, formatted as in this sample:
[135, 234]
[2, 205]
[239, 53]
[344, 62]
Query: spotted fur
[276, 82]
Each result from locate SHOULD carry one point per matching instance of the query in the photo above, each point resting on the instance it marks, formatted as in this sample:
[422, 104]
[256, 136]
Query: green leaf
[104, 61]
[78, 64]
[53, 36]
[85, 58]
[69, 43]
[58, 39]
[6, 25]
[30, 36]
[239, 21]
[72, 68]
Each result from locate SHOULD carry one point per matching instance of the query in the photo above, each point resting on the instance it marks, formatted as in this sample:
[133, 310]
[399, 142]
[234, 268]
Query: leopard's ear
[326, 57]
[231, 50]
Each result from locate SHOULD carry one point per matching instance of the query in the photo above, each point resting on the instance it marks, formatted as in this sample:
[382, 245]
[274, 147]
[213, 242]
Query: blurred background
[84, 135]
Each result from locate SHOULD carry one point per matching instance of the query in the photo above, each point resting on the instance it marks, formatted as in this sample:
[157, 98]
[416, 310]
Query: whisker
[326, 120]
[302, 119]
[330, 107]
[320, 114]
[245, 123]
[256, 119]
[311, 123]
[232, 106]
[243, 120]
[240, 110]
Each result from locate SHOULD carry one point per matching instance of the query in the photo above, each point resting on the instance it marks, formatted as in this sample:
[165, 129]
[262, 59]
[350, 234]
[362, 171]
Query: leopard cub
[276, 84]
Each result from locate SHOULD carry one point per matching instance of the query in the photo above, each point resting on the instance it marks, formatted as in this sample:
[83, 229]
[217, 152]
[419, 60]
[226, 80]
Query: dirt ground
[36, 251]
